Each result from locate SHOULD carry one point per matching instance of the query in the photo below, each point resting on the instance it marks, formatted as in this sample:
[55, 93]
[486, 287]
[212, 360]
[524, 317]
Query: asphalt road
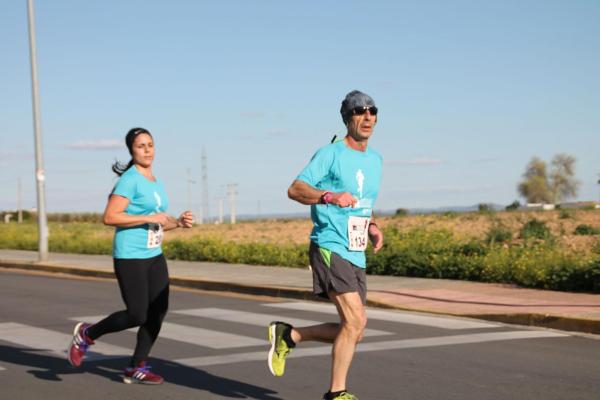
[214, 347]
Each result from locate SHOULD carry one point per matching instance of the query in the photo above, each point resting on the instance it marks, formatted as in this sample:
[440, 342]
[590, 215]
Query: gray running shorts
[336, 274]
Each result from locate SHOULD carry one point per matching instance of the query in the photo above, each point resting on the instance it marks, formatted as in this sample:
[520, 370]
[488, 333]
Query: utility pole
[189, 189]
[231, 192]
[19, 208]
[221, 201]
[599, 189]
[205, 209]
[39, 162]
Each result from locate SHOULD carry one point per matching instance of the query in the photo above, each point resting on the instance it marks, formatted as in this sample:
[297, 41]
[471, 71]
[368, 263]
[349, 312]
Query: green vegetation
[498, 234]
[566, 213]
[535, 229]
[513, 206]
[533, 260]
[401, 212]
[438, 254]
[584, 229]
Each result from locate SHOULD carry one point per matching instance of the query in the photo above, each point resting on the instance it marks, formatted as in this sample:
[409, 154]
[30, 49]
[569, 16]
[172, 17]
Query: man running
[340, 183]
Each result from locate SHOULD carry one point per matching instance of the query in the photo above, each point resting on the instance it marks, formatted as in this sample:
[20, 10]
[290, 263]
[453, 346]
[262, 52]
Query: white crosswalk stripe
[53, 342]
[257, 319]
[392, 316]
[375, 346]
[197, 336]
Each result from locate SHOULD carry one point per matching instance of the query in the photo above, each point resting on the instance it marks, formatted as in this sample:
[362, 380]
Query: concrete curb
[531, 319]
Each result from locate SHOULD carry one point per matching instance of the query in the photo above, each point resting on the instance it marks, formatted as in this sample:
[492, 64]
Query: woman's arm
[185, 220]
[114, 214]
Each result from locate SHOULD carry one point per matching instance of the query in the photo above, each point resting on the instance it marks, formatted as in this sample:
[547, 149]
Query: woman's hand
[186, 219]
[160, 218]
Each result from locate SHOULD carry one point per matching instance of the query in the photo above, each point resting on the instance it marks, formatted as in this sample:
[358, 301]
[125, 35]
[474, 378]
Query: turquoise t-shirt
[145, 198]
[338, 168]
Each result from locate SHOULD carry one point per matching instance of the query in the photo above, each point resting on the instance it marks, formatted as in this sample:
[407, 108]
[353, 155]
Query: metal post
[19, 207]
[39, 163]
[221, 200]
[205, 209]
[231, 191]
[190, 181]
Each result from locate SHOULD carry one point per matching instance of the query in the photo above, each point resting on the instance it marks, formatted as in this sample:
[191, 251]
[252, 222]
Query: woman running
[137, 209]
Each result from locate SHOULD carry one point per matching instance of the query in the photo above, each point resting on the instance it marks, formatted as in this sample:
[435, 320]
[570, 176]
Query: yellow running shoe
[279, 348]
[344, 396]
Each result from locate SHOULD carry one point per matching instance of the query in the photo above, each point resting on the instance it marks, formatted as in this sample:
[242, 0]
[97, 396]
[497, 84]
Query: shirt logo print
[360, 180]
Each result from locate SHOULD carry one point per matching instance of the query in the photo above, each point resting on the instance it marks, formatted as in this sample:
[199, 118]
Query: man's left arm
[375, 234]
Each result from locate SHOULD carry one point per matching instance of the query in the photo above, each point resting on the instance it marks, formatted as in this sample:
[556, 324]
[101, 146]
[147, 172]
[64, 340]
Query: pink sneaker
[79, 344]
[141, 374]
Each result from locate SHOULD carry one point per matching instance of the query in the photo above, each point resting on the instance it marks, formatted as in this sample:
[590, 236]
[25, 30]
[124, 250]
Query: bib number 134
[358, 228]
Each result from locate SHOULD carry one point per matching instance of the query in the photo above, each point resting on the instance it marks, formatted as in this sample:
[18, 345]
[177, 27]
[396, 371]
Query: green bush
[418, 252]
[236, 253]
[535, 229]
[566, 213]
[513, 206]
[584, 229]
[498, 234]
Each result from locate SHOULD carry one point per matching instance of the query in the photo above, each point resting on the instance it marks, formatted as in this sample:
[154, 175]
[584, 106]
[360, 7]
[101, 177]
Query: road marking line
[40, 339]
[392, 316]
[197, 336]
[257, 319]
[376, 346]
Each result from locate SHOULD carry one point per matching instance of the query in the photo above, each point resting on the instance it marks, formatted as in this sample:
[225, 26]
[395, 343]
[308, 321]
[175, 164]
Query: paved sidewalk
[505, 303]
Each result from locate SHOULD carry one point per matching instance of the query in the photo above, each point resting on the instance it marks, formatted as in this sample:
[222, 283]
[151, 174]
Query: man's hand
[376, 237]
[343, 199]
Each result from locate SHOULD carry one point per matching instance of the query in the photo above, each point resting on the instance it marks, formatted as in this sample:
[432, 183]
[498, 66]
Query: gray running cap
[354, 99]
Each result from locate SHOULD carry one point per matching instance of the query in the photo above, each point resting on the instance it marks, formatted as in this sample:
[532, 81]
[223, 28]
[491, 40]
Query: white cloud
[96, 144]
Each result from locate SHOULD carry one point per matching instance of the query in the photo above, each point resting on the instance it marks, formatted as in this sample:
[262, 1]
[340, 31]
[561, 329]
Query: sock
[287, 337]
[332, 395]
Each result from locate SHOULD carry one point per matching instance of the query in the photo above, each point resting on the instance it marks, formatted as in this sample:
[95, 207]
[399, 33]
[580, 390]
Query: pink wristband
[326, 197]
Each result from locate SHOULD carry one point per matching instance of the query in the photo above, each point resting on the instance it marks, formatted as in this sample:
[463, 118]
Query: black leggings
[144, 285]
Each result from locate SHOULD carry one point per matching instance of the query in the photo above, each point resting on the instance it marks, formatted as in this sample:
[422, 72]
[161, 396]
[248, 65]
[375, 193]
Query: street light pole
[39, 162]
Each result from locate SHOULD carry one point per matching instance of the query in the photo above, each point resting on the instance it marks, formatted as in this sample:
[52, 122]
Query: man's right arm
[303, 193]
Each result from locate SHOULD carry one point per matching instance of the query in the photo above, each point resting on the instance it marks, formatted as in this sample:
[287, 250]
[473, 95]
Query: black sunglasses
[361, 110]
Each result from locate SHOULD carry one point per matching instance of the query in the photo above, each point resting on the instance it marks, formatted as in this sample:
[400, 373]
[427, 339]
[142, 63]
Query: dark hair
[119, 168]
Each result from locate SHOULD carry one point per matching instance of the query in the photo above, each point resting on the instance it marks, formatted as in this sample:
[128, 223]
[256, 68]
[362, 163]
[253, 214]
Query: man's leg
[353, 321]
[319, 333]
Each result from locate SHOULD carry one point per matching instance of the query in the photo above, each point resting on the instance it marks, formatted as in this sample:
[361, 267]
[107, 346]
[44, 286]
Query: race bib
[358, 233]
[155, 235]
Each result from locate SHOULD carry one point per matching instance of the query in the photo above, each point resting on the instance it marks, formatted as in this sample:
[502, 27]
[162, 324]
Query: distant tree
[400, 212]
[513, 206]
[563, 184]
[484, 207]
[535, 187]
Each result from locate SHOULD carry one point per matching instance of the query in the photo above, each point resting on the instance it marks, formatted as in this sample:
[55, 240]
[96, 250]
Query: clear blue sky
[468, 92]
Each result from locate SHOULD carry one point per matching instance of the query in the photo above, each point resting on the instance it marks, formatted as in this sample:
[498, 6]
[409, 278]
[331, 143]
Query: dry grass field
[464, 225]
